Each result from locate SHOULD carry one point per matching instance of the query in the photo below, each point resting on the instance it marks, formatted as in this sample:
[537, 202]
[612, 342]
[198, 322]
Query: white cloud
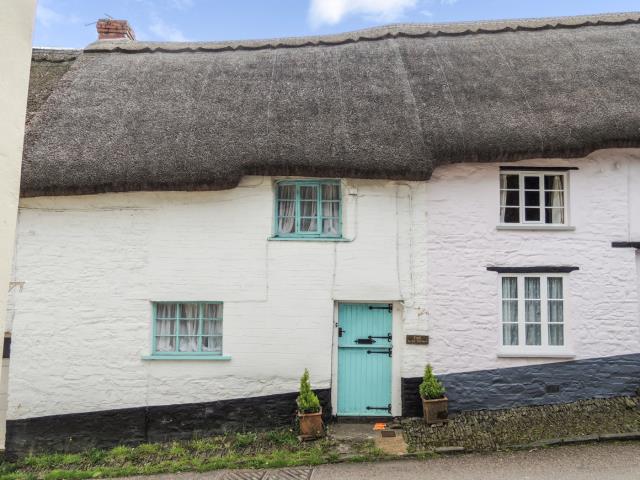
[48, 17]
[167, 32]
[448, 2]
[333, 11]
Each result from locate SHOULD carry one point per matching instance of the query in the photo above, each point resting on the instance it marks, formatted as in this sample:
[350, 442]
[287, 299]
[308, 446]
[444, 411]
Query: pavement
[599, 461]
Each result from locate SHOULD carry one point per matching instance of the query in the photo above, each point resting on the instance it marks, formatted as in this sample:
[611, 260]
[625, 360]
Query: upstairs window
[533, 312]
[533, 198]
[308, 209]
[187, 328]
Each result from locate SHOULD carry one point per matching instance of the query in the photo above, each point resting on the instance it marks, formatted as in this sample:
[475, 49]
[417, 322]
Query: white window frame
[543, 350]
[521, 188]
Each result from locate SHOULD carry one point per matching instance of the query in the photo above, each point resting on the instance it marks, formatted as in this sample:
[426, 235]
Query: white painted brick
[94, 263]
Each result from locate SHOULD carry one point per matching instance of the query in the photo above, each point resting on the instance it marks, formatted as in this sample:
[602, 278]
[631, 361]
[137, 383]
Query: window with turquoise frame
[187, 328]
[308, 209]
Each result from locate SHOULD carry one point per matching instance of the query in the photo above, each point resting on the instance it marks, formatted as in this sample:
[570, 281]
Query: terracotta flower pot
[435, 411]
[311, 424]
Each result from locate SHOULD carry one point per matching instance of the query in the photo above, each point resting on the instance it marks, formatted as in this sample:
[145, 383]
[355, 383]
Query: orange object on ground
[380, 426]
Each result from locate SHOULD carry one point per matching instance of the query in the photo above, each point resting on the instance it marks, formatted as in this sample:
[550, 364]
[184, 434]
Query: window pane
[532, 183]
[532, 214]
[509, 181]
[330, 209]
[330, 192]
[510, 311]
[212, 310]
[309, 224]
[510, 199]
[212, 344]
[556, 334]
[166, 310]
[286, 224]
[532, 307]
[554, 182]
[189, 310]
[554, 287]
[188, 327]
[286, 208]
[510, 215]
[510, 288]
[554, 215]
[165, 344]
[532, 288]
[308, 209]
[308, 192]
[510, 334]
[533, 334]
[212, 327]
[554, 199]
[188, 344]
[286, 192]
[556, 311]
[330, 226]
[532, 199]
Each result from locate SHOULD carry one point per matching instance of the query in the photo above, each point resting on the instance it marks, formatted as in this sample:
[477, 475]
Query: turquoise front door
[364, 359]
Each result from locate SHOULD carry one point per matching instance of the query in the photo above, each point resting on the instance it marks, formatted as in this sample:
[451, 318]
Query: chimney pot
[110, 29]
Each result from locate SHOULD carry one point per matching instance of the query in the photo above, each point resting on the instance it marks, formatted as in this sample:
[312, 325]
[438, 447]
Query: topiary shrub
[307, 401]
[431, 388]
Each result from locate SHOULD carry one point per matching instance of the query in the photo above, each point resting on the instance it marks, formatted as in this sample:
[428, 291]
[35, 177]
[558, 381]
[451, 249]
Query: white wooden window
[533, 313]
[533, 198]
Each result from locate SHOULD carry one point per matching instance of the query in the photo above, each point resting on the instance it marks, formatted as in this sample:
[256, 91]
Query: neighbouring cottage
[200, 222]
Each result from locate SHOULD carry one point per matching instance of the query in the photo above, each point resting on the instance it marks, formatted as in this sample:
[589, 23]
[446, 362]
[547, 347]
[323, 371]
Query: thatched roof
[393, 102]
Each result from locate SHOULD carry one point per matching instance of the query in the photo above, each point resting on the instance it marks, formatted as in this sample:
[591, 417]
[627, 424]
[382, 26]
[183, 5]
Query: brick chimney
[109, 29]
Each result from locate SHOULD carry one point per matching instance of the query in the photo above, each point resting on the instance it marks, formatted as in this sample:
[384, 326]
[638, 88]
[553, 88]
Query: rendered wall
[16, 24]
[93, 264]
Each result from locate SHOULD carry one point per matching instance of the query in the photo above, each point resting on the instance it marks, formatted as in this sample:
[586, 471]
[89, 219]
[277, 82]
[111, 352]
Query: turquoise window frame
[319, 217]
[175, 355]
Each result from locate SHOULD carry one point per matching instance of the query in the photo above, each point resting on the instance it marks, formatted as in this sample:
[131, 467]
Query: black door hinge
[388, 307]
[387, 408]
[385, 352]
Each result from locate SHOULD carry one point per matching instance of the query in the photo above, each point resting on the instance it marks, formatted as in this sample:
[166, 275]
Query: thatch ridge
[413, 30]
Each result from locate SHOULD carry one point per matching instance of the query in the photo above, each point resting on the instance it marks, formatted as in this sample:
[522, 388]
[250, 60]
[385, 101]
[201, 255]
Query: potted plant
[309, 409]
[434, 403]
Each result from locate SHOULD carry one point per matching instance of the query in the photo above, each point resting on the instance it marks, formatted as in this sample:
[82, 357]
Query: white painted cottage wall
[93, 264]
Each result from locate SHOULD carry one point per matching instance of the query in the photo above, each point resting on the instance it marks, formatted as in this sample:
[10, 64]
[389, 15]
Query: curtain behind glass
[510, 311]
[532, 311]
[212, 328]
[286, 208]
[556, 311]
[166, 327]
[189, 320]
[330, 209]
[554, 185]
[308, 208]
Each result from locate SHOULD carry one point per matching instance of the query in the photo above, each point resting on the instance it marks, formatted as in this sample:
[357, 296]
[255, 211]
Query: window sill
[535, 354]
[207, 358]
[553, 228]
[308, 239]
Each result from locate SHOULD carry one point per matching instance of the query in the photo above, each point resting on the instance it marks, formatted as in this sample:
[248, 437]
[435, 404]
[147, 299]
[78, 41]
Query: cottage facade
[201, 222]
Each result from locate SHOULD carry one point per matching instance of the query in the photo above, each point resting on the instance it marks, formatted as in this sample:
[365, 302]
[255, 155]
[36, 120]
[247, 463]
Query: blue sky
[69, 23]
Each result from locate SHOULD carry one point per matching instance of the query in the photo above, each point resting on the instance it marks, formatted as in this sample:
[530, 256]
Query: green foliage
[431, 388]
[244, 440]
[307, 401]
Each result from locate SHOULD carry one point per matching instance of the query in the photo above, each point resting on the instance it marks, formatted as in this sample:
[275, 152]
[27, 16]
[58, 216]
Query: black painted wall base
[132, 426]
[487, 389]
[549, 383]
